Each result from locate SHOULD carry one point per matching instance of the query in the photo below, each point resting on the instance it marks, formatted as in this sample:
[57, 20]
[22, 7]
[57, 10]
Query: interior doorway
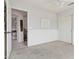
[19, 28]
[66, 28]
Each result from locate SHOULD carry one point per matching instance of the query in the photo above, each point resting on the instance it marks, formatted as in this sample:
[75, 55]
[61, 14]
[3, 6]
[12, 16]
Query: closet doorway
[19, 28]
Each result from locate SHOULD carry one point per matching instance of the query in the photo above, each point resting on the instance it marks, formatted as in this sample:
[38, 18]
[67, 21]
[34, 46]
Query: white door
[8, 30]
[65, 28]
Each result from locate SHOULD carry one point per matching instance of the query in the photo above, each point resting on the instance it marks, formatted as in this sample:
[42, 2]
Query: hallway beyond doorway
[19, 27]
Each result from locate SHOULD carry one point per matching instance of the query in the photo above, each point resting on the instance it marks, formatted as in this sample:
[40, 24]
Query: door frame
[72, 29]
[5, 26]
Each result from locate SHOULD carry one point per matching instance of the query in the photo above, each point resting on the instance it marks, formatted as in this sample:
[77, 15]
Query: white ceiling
[50, 5]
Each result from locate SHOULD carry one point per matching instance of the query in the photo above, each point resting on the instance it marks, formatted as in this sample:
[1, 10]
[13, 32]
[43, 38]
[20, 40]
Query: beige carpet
[52, 50]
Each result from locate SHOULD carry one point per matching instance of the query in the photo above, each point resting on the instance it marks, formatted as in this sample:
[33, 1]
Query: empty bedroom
[39, 29]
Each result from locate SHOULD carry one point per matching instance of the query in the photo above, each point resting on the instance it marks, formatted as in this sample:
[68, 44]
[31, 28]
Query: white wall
[64, 26]
[41, 36]
[35, 16]
[37, 34]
